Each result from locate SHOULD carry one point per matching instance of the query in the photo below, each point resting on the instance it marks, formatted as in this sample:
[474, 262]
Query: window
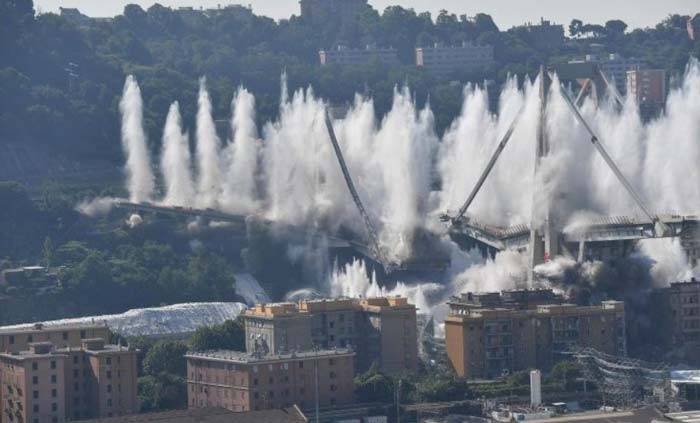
[35, 380]
[54, 407]
[331, 361]
[109, 360]
[12, 339]
[36, 408]
[76, 373]
[109, 402]
[109, 374]
[30, 338]
[82, 334]
[54, 394]
[53, 364]
[271, 380]
[35, 366]
[36, 394]
[54, 419]
[255, 381]
[65, 335]
[75, 359]
[109, 388]
[53, 378]
[256, 395]
[332, 375]
[301, 364]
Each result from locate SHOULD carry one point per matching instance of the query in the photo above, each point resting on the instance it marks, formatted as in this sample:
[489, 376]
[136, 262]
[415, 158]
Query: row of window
[30, 338]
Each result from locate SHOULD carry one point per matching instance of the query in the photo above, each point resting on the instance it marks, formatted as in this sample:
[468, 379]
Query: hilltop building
[442, 61]
[489, 334]
[240, 381]
[615, 67]
[345, 56]
[381, 330]
[42, 383]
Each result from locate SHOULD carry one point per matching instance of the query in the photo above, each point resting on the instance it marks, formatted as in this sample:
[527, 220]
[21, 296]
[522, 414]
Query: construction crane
[369, 226]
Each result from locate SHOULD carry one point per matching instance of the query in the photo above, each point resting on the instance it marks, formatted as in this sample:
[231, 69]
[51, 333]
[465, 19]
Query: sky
[506, 13]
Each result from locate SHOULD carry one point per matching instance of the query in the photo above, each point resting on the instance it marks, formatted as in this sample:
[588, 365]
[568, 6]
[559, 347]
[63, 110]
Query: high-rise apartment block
[381, 330]
[648, 86]
[675, 311]
[64, 376]
[240, 381]
[442, 61]
[489, 334]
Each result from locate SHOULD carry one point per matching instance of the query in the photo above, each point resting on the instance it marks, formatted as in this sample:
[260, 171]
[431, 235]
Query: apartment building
[442, 61]
[614, 66]
[676, 309]
[345, 56]
[489, 334]
[382, 330]
[61, 336]
[648, 86]
[41, 382]
[240, 381]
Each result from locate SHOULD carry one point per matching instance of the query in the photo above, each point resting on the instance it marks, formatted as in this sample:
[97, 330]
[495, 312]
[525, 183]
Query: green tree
[374, 386]
[615, 27]
[162, 392]
[166, 357]
[48, 251]
[229, 335]
[575, 28]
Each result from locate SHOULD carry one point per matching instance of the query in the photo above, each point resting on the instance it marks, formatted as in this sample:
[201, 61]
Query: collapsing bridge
[544, 238]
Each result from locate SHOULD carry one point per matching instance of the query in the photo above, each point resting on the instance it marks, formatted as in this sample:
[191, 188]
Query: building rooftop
[251, 358]
[39, 327]
[327, 304]
[211, 415]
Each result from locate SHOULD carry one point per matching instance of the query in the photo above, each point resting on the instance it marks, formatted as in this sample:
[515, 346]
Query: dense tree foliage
[61, 81]
[230, 335]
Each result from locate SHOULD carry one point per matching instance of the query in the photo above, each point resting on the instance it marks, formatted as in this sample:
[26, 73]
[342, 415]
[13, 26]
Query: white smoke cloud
[208, 152]
[139, 178]
[175, 162]
[99, 206]
[242, 154]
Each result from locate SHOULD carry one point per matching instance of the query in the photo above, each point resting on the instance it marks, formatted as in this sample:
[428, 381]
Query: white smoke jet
[139, 178]
[175, 161]
[354, 281]
[670, 261]
[208, 150]
[672, 149]
[404, 150]
[239, 191]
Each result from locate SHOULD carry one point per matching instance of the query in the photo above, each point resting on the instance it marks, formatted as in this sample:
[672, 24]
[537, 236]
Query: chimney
[535, 388]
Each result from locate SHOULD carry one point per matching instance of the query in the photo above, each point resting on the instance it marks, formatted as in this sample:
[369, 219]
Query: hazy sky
[506, 13]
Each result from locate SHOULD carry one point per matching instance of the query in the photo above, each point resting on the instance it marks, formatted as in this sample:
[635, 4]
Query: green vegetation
[60, 82]
[163, 377]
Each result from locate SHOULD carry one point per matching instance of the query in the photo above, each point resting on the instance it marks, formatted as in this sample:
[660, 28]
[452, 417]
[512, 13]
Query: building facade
[45, 384]
[240, 381]
[345, 56]
[381, 330]
[676, 309]
[649, 88]
[443, 61]
[487, 335]
[545, 35]
[615, 67]
[16, 340]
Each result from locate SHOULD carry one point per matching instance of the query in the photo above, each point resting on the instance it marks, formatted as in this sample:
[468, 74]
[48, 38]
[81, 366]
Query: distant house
[546, 35]
[345, 56]
[441, 61]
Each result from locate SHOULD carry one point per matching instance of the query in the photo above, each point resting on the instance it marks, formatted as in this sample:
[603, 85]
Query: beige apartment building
[61, 336]
[381, 330]
[240, 381]
[489, 334]
[41, 383]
